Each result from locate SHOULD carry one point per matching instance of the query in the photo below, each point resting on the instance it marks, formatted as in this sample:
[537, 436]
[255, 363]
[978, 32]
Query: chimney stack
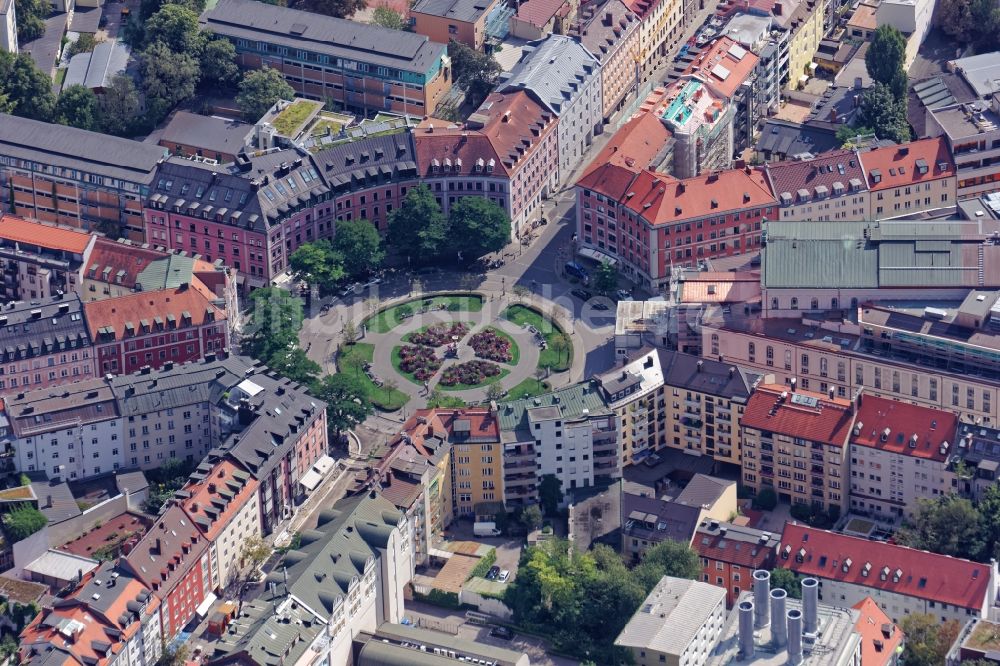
[761, 598]
[794, 629]
[810, 601]
[746, 630]
[779, 630]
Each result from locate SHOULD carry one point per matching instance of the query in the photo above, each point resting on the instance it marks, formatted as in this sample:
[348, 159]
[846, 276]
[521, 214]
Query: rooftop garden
[290, 120]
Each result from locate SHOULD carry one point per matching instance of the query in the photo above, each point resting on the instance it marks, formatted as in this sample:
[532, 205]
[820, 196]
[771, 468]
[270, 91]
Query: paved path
[488, 316]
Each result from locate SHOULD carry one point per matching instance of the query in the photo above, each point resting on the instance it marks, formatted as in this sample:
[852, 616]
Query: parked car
[504, 575]
[493, 573]
[502, 632]
[624, 295]
[349, 289]
[576, 270]
[582, 294]
[599, 306]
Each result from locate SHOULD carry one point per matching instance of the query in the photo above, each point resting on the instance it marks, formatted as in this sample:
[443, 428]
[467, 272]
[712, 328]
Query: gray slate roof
[376, 652]
[29, 329]
[360, 163]
[341, 38]
[265, 637]
[711, 377]
[63, 146]
[554, 69]
[55, 500]
[206, 132]
[467, 11]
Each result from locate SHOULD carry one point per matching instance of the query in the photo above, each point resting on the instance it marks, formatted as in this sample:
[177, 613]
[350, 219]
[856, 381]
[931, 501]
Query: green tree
[950, 525]
[294, 364]
[495, 391]
[531, 517]
[986, 25]
[346, 400]
[787, 580]
[173, 655]
[561, 345]
[168, 78]
[766, 499]
[31, 15]
[955, 18]
[550, 494]
[886, 60]
[259, 90]
[359, 245]
[881, 111]
[846, 134]
[26, 87]
[338, 8]
[667, 558]
[176, 26]
[77, 106]
[418, 228]
[23, 521]
[474, 71]
[274, 322]
[387, 17]
[218, 65]
[119, 106]
[606, 278]
[319, 264]
[477, 226]
[927, 639]
[85, 43]
[255, 552]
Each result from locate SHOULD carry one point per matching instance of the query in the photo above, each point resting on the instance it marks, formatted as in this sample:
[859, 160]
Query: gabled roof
[904, 429]
[895, 569]
[725, 65]
[167, 552]
[75, 635]
[19, 230]
[637, 145]
[909, 164]
[803, 414]
[611, 23]
[214, 494]
[554, 69]
[705, 375]
[658, 520]
[834, 173]
[123, 316]
[463, 150]
[118, 262]
[879, 636]
[672, 616]
[735, 544]
[514, 123]
[670, 200]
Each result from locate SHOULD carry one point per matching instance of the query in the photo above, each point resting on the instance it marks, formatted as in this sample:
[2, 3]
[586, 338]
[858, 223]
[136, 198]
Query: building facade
[612, 34]
[909, 180]
[831, 186]
[731, 553]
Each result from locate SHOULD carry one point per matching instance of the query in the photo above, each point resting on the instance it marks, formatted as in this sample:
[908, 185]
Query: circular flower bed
[469, 373]
[436, 335]
[421, 362]
[491, 345]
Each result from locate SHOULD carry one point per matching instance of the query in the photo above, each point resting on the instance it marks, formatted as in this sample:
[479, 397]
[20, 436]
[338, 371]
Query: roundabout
[463, 345]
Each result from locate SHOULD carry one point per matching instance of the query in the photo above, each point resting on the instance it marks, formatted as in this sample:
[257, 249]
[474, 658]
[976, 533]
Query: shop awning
[206, 605]
[597, 255]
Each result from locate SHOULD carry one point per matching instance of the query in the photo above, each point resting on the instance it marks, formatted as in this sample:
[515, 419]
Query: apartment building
[109, 614]
[44, 343]
[636, 395]
[346, 577]
[910, 180]
[220, 500]
[762, 35]
[900, 580]
[795, 442]
[359, 67]
[611, 32]
[972, 132]
[149, 329]
[701, 119]
[977, 452]
[804, 20]
[729, 554]
[470, 22]
[899, 455]
[705, 401]
[679, 623]
[8, 27]
[569, 433]
[566, 78]
[659, 20]
[40, 260]
[659, 222]
[172, 560]
[55, 173]
[831, 186]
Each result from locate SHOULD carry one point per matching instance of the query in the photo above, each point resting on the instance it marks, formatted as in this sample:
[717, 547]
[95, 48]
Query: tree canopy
[218, 64]
[23, 521]
[606, 278]
[885, 114]
[927, 639]
[417, 228]
[359, 246]
[176, 27]
[27, 89]
[477, 226]
[318, 263]
[273, 326]
[953, 525]
[168, 78]
[387, 17]
[787, 580]
[77, 106]
[347, 402]
[473, 71]
[119, 106]
[974, 22]
[259, 90]
[31, 15]
[886, 60]
[338, 8]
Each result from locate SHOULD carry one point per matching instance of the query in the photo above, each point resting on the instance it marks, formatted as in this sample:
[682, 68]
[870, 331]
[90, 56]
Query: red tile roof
[19, 230]
[879, 636]
[448, 145]
[215, 500]
[633, 148]
[642, 8]
[746, 552]
[425, 423]
[168, 551]
[539, 12]
[811, 416]
[921, 574]
[509, 120]
[725, 65]
[671, 200]
[898, 166]
[116, 312]
[89, 633]
[890, 425]
[836, 166]
[129, 258]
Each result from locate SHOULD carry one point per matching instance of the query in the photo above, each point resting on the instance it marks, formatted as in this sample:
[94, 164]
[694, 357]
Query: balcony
[691, 422]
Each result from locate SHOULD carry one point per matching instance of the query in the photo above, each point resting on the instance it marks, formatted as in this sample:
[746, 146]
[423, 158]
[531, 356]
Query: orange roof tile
[671, 200]
[725, 65]
[811, 416]
[133, 308]
[129, 258]
[539, 12]
[509, 119]
[642, 8]
[911, 163]
[890, 425]
[19, 230]
[443, 144]
[221, 486]
[634, 147]
[879, 636]
[88, 632]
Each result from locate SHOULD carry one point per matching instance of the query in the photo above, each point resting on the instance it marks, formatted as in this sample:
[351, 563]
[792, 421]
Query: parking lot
[508, 549]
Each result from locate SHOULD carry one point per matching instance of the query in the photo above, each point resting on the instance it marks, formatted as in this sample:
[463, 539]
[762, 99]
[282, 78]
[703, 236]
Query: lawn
[529, 388]
[547, 358]
[388, 319]
[352, 359]
[319, 129]
[60, 76]
[290, 120]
